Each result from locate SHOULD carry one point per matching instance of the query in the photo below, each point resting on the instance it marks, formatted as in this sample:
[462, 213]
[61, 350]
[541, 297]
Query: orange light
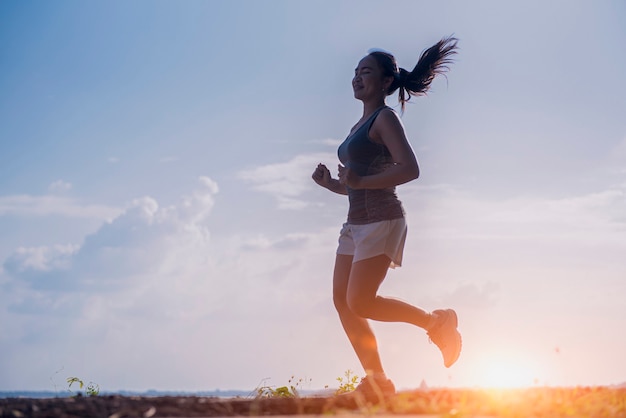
[501, 371]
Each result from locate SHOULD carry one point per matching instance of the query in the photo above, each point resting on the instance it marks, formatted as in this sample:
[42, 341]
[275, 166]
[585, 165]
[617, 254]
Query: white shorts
[370, 240]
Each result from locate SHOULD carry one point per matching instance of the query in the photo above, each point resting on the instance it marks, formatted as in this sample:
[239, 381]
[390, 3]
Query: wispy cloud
[287, 181]
[40, 259]
[330, 142]
[457, 211]
[28, 205]
[59, 186]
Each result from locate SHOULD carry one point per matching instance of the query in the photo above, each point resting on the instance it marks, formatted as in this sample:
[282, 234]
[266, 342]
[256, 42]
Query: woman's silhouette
[375, 158]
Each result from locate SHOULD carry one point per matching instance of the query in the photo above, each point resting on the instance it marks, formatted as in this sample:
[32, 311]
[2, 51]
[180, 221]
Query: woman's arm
[321, 176]
[388, 130]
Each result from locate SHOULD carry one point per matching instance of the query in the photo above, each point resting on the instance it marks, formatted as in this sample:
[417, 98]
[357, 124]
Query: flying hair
[432, 62]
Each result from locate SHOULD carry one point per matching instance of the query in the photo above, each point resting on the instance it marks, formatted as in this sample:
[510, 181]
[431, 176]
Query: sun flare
[502, 372]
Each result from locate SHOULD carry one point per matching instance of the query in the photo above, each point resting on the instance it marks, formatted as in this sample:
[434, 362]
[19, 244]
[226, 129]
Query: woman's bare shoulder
[387, 121]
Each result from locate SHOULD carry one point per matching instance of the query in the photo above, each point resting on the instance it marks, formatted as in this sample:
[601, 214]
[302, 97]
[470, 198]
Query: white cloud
[287, 181]
[456, 212]
[526, 245]
[59, 186]
[40, 259]
[139, 241]
[334, 143]
[28, 205]
[473, 295]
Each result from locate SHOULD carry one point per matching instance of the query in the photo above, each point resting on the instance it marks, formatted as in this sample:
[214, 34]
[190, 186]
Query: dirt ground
[169, 406]
[579, 402]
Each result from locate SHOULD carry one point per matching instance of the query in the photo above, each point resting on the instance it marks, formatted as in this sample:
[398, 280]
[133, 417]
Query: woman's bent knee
[360, 306]
[340, 302]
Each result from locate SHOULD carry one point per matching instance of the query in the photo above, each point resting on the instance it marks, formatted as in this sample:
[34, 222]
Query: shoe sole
[452, 316]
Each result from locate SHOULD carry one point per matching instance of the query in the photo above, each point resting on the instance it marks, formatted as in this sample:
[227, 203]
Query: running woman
[375, 158]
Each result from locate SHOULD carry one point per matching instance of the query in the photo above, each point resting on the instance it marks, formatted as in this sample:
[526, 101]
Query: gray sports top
[365, 157]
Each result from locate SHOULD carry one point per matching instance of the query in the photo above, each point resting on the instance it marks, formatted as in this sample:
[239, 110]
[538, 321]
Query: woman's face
[368, 81]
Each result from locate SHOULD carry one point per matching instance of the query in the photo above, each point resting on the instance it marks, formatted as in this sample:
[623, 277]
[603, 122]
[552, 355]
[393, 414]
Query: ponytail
[433, 61]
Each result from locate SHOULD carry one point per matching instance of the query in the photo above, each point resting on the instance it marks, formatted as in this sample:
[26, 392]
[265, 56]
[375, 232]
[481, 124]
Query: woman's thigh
[365, 278]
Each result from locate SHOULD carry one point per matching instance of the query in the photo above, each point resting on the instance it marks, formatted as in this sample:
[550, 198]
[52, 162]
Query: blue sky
[159, 228]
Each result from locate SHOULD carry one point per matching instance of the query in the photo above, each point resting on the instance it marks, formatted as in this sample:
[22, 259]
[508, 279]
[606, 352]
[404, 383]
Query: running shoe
[374, 390]
[445, 335]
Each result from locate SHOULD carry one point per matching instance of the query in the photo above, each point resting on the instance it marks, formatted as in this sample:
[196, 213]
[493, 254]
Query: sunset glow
[504, 371]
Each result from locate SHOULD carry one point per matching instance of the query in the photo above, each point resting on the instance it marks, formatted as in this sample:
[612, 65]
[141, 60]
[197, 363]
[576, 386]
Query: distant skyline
[159, 228]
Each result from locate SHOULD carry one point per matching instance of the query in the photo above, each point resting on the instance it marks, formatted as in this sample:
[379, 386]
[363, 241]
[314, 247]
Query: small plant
[52, 379]
[92, 389]
[347, 383]
[290, 391]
